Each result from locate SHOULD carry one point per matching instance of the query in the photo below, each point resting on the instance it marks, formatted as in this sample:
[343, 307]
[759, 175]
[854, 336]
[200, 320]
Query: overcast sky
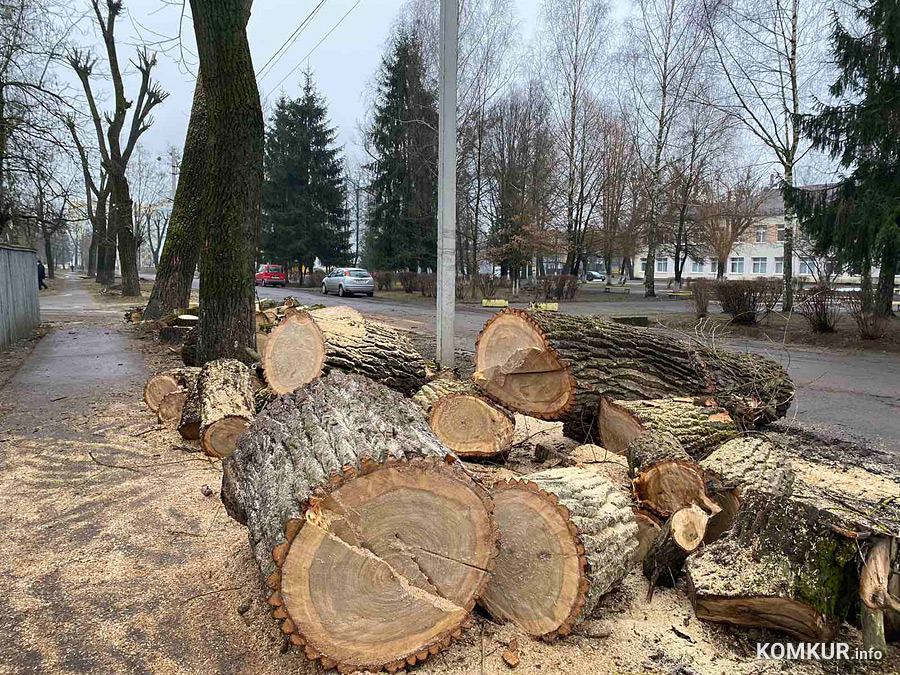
[343, 65]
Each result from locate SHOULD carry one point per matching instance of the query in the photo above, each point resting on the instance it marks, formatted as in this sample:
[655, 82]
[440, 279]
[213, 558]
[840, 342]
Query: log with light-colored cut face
[161, 384]
[567, 537]
[653, 446]
[557, 366]
[305, 345]
[648, 529]
[375, 541]
[170, 407]
[698, 425]
[670, 485]
[226, 405]
[680, 536]
[472, 426]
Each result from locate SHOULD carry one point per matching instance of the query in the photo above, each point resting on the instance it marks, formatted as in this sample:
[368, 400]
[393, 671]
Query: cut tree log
[648, 529]
[567, 537]
[557, 366]
[747, 463]
[651, 447]
[700, 428]
[169, 409]
[189, 320]
[681, 535]
[875, 594]
[464, 420]
[375, 541]
[670, 485]
[780, 566]
[305, 345]
[189, 348]
[226, 405]
[173, 335]
[189, 423]
[166, 382]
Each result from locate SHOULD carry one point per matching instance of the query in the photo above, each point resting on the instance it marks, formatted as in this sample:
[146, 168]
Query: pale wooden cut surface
[170, 407]
[294, 353]
[166, 382]
[670, 485]
[226, 405]
[472, 426]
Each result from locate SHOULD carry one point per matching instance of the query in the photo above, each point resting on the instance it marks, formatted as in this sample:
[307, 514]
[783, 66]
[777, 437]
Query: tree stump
[189, 354]
[557, 366]
[305, 345]
[466, 422]
[567, 537]
[226, 405]
[375, 541]
[161, 384]
[699, 428]
[189, 423]
[780, 566]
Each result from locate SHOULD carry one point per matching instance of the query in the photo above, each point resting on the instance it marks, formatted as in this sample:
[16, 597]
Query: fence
[19, 308]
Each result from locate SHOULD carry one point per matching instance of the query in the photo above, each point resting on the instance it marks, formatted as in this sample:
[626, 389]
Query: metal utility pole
[446, 243]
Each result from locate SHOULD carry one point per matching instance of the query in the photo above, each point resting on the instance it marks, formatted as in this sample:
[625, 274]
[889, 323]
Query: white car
[349, 281]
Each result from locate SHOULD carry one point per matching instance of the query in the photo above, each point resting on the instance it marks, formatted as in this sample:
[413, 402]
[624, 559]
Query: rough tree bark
[557, 366]
[234, 169]
[175, 272]
[375, 542]
[781, 566]
[568, 536]
[226, 405]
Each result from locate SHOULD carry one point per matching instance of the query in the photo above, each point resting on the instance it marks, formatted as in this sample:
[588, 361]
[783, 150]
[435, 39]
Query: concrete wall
[19, 308]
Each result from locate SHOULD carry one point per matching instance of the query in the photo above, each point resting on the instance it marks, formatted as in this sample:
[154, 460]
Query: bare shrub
[771, 291]
[384, 280]
[701, 294]
[740, 299]
[463, 286]
[314, 279]
[861, 306]
[555, 287]
[820, 307]
[487, 283]
[427, 284]
[572, 284]
[408, 281]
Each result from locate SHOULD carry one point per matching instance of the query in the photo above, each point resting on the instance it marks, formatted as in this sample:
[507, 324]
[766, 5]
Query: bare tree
[114, 152]
[96, 198]
[668, 45]
[577, 32]
[618, 158]
[730, 208]
[766, 51]
[149, 189]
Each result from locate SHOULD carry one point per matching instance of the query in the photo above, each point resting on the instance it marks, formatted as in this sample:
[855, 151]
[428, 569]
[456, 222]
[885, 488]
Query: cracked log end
[386, 566]
[170, 407]
[516, 366]
[294, 353]
[472, 426]
[567, 537]
[162, 384]
[672, 484]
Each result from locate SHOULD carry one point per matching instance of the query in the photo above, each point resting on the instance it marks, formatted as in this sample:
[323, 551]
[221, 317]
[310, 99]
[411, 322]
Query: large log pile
[375, 540]
[557, 366]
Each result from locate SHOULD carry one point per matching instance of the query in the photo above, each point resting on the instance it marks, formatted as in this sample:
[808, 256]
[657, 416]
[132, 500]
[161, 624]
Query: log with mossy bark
[699, 425]
[374, 540]
[568, 536]
[781, 566]
[557, 366]
[226, 405]
[161, 384]
[464, 420]
[305, 345]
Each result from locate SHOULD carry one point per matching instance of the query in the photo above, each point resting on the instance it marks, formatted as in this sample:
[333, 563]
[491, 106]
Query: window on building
[759, 266]
[780, 237]
[807, 265]
[779, 265]
[662, 264]
[643, 264]
[714, 266]
[760, 234]
[737, 265]
[696, 267]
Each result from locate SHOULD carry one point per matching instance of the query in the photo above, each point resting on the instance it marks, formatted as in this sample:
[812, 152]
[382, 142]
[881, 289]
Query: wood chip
[511, 654]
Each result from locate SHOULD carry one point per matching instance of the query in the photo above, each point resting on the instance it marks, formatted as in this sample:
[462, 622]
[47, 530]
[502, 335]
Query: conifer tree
[303, 197]
[859, 218]
[402, 230]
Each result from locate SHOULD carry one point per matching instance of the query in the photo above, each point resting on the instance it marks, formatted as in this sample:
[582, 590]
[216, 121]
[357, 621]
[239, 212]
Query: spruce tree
[303, 211]
[859, 218]
[402, 230]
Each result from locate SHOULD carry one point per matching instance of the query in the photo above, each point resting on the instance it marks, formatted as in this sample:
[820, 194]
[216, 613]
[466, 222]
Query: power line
[300, 63]
[287, 44]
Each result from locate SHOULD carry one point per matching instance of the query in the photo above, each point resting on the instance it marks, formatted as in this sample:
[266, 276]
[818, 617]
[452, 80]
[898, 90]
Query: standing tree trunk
[885, 294]
[175, 271]
[121, 208]
[234, 170]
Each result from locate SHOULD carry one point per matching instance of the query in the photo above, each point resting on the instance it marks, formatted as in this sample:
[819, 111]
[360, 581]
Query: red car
[270, 275]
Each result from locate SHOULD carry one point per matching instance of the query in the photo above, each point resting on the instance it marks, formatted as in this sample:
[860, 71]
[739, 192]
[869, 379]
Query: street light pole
[446, 244]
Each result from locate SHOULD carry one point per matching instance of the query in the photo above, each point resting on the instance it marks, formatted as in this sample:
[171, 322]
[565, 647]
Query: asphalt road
[847, 394]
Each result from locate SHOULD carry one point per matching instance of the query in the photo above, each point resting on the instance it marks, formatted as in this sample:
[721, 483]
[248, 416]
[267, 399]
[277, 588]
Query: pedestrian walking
[41, 274]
